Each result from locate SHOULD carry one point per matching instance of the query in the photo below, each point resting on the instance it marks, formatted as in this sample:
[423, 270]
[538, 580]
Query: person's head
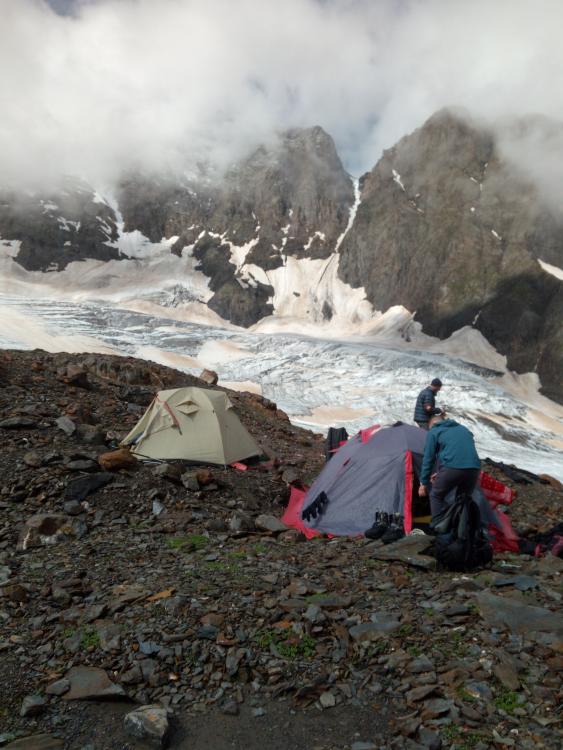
[436, 384]
[436, 419]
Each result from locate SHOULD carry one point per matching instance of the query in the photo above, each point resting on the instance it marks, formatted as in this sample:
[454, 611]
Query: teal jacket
[453, 445]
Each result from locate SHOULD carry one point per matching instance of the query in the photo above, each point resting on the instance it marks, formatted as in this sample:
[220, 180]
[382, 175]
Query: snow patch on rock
[10, 248]
[397, 179]
[553, 270]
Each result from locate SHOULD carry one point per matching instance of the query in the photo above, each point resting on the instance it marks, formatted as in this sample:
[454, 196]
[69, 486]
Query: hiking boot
[380, 525]
[376, 531]
[392, 534]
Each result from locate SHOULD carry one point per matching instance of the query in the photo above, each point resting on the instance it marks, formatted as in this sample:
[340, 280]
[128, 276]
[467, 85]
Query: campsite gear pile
[375, 474]
[550, 541]
[192, 424]
[461, 541]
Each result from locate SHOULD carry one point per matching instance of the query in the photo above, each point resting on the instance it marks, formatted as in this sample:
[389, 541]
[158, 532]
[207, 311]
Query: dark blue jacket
[425, 397]
[453, 445]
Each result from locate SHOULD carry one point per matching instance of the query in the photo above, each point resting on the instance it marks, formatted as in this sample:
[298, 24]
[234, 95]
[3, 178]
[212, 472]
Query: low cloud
[106, 85]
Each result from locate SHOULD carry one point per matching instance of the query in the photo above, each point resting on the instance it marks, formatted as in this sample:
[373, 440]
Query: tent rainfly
[194, 424]
[378, 470]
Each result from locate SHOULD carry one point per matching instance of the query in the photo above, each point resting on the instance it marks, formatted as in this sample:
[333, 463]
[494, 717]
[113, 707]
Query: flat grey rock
[36, 742]
[501, 612]
[409, 550]
[89, 683]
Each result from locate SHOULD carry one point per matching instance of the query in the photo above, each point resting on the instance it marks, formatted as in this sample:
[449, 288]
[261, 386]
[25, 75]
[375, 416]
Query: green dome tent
[193, 424]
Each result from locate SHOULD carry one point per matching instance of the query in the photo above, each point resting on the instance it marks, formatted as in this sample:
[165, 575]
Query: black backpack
[461, 542]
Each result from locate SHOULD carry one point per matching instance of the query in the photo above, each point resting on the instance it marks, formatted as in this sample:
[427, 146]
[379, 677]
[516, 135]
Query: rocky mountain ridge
[442, 225]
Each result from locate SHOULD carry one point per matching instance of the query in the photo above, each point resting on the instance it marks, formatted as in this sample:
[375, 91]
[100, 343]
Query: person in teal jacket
[453, 446]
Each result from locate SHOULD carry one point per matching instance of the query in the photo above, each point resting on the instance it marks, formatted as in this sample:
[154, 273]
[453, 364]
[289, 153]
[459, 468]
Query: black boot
[380, 526]
[395, 530]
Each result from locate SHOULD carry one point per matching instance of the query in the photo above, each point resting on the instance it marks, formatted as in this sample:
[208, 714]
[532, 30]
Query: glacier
[352, 381]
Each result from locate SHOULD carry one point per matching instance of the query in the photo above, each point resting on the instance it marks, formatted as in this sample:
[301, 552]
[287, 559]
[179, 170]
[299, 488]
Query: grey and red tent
[378, 470]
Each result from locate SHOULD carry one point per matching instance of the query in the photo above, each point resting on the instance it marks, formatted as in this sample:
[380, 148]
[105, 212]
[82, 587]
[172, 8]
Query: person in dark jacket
[453, 446]
[426, 404]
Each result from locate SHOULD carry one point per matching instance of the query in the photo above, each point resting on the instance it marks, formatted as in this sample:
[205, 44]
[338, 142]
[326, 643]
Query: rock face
[448, 230]
[445, 227]
[291, 197]
[56, 229]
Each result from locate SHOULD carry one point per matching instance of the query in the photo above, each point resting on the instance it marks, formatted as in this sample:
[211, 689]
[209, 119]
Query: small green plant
[229, 568]
[89, 637]
[452, 733]
[414, 651]
[318, 597]
[259, 549]
[465, 695]
[379, 647]
[507, 700]
[288, 644]
[193, 542]
[68, 632]
[405, 630]
[237, 555]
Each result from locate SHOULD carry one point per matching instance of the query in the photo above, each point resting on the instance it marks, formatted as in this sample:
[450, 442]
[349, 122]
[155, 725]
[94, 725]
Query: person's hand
[433, 477]
[422, 491]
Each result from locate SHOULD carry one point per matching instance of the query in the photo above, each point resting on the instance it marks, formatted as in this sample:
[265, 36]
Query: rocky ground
[174, 587]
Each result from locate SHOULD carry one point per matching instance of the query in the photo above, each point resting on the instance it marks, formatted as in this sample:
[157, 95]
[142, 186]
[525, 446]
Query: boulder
[66, 425]
[91, 434]
[209, 376]
[49, 528]
[59, 687]
[80, 413]
[122, 458]
[74, 375]
[204, 477]
[190, 482]
[150, 724]
[241, 522]
[79, 489]
[171, 472]
[32, 459]
[267, 522]
[32, 705]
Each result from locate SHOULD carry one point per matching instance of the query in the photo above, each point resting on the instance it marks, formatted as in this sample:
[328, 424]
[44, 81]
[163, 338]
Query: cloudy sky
[91, 87]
